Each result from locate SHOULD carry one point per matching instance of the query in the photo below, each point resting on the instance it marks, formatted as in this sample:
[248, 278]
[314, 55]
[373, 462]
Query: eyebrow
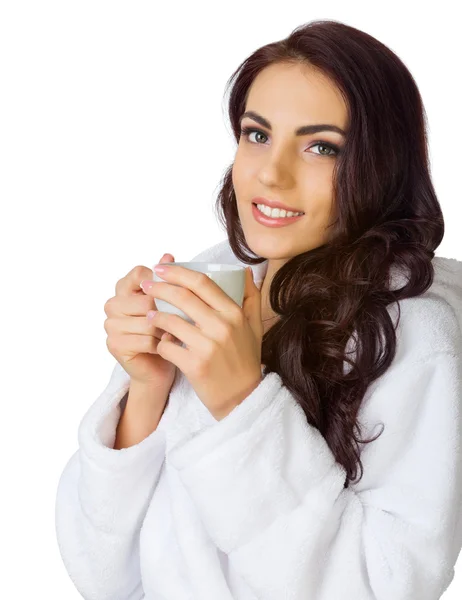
[304, 130]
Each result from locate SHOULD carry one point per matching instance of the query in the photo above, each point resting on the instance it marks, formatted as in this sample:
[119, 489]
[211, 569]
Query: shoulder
[422, 387]
[427, 366]
[432, 322]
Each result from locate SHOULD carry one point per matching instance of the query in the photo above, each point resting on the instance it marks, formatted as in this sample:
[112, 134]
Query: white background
[113, 140]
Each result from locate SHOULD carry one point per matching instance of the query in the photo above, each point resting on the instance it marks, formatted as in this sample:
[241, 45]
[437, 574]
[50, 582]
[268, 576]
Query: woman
[248, 486]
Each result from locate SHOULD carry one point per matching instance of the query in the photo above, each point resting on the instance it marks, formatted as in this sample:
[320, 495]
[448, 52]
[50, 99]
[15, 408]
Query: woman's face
[279, 165]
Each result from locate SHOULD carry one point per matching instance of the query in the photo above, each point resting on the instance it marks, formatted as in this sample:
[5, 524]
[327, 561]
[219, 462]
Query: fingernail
[146, 284]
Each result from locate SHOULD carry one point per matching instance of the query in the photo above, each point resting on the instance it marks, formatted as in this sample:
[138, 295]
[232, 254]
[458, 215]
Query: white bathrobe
[253, 506]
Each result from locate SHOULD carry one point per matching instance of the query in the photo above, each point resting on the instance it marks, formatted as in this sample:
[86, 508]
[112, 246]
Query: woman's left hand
[222, 360]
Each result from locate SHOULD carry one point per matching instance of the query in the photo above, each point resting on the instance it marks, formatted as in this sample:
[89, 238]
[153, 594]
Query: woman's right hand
[131, 338]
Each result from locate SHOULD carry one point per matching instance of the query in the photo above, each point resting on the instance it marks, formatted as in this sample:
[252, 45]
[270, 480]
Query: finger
[168, 336]
[128, 344]
[130, 284]
[130, 306]
[209, 323]
[194, 338]
[174, 352]
[132, 326]
[251, 305]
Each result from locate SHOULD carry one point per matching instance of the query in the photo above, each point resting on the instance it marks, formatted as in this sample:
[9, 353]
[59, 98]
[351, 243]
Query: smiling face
[279, 165]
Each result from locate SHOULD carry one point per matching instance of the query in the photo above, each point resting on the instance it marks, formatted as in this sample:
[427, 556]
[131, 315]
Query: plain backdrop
[113, 139]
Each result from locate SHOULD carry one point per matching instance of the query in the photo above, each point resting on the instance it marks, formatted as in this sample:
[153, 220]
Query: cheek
[319, 201]
[239, 189]
[241, 183]
[318, 184]
[235, 175]
[244, 170]
[318, 177]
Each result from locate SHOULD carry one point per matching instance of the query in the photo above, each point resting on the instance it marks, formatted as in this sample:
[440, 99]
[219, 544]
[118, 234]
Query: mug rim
[211, 266]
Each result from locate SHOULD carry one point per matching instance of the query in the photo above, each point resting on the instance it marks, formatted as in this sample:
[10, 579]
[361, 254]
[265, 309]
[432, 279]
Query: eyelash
[245, 131]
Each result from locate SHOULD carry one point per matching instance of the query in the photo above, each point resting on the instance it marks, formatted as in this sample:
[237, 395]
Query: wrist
[221, 413]
[148, 386]
[142, 392]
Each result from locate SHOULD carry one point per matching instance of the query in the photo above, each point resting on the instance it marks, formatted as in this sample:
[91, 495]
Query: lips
[272, 221]
[273, 204]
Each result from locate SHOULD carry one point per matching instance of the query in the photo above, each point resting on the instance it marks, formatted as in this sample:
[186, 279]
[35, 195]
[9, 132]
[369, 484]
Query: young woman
[227, 468]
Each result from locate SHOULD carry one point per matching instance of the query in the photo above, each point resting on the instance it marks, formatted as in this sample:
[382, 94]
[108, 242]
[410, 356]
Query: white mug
[230, 278]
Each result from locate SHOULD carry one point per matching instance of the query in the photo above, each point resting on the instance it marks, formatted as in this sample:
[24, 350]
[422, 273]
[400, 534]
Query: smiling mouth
[287, 210]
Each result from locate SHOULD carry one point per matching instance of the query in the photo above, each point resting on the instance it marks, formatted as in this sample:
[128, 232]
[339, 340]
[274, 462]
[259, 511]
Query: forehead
[293, 95]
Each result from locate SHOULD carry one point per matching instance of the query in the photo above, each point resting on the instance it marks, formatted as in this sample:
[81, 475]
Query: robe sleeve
[271, 495]
[102, 499]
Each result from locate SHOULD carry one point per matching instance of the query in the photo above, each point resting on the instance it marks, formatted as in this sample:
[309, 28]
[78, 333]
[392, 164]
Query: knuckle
[196, 368]
[106, 325]
[135, 275]
[211, 350]
[237, 317]
[147, 343]
[201, 276]
[138, 271]
[183, 293]
[202, 369]
[110, 345]
[107, 306]
[201, 365]
[119, 285]
[224, 331]
[200, 279]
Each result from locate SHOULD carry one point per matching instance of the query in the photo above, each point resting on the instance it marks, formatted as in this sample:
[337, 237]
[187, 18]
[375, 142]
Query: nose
[277, 169]
[276, 175]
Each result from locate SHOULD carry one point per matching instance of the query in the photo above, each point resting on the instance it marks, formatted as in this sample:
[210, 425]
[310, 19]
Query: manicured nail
[146, 284]
[160, 269]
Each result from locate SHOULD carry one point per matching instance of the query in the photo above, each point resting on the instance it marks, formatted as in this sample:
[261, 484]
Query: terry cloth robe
[254, 506]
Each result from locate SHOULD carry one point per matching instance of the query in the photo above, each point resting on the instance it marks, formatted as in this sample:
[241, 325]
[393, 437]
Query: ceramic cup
[230, 278]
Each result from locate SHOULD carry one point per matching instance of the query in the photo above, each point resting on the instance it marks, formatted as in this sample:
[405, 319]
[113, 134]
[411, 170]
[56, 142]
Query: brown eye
[246, 131]
[328, 146]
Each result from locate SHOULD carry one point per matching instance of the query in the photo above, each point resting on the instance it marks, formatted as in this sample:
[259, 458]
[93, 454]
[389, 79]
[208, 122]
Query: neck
[267, 314]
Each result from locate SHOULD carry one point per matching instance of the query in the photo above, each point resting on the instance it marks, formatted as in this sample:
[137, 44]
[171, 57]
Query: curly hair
[387, 216]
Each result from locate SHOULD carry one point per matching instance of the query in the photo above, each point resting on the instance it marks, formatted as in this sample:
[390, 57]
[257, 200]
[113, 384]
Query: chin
[267, 245]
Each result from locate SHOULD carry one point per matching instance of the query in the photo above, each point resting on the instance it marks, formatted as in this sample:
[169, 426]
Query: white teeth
[276, 213]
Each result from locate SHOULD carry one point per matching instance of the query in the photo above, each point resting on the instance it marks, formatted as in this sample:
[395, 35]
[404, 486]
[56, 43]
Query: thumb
[164, 258]
[167, 258]
[251, 305]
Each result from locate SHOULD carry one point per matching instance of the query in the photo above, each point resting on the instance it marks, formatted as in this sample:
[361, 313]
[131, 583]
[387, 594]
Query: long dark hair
[387, 215]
